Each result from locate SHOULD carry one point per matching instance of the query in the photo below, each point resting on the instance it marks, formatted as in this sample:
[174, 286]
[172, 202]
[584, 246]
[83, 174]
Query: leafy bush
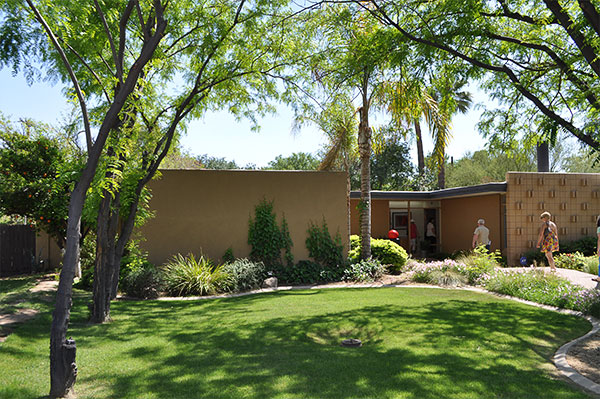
[228, 256]
[87, 259]
[535, 256]
[142, 282]
[478, 262]
[591, 265]
[364, 271]
[246, 275]
[267, 238]
[304, 272]
[307, 272]
[585, 245]
[191, 276]
[133, 261]
[323, 248]
[574, 261]
[386, 251]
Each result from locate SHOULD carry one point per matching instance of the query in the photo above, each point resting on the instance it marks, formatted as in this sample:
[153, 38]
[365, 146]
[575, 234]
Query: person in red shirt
[414, 233]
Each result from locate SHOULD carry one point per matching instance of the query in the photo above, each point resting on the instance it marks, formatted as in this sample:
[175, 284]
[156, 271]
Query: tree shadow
[447, 348]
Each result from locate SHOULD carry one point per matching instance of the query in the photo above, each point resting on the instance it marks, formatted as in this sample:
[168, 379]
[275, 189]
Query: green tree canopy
[296, 161]
[539, 58]
[37, 174]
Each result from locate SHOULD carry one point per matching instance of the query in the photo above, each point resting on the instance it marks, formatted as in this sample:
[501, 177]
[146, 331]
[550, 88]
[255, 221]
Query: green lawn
[418, 343]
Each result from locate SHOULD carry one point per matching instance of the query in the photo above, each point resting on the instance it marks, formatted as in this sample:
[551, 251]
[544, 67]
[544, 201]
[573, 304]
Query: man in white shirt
[481, 235]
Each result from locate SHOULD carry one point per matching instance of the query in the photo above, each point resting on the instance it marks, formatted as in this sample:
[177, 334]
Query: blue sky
[219, 134]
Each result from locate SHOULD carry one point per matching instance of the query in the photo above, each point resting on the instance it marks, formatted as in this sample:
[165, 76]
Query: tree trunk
[420, 155]
[63, 370]
[442, 175]
[364, 148]
[105, 254]
[124, 235]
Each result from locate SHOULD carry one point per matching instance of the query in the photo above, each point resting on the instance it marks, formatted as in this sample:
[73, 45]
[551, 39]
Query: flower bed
[533, 285]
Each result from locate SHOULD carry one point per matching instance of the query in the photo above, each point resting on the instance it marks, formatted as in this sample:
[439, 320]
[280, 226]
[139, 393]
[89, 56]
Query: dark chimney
[543, 159]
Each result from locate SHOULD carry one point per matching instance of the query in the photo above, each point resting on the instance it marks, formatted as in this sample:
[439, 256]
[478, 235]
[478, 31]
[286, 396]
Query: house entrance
[410, 219]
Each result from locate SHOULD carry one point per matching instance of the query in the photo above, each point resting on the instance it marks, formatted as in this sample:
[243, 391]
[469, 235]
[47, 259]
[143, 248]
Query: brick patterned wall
[573, 199]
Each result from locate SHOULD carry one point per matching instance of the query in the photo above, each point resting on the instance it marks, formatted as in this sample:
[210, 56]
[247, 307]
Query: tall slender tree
[120, 58]
[539, 58]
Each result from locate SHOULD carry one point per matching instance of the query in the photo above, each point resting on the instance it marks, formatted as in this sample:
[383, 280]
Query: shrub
[267, 239]
[143, 282]
[133, 260]
[591, 265]
[323, 248]
[191, 276]
[386, 251]
[535, 256]
[478, 262]
[228, 256]
[574, 261]
[304, 272]
[585, 245]
[245, 274]
[364, 271]
[308, 272]
[87, 259]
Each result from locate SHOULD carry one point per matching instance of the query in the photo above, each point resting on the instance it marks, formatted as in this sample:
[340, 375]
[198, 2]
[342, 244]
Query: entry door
[399, 222]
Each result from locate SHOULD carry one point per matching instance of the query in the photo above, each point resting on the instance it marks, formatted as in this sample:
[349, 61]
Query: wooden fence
[17, 249]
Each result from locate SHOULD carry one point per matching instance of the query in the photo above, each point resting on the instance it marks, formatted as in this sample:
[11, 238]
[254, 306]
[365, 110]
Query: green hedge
[387, 252]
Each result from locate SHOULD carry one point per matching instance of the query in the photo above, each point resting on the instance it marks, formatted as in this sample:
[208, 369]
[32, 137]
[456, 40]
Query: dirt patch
[585, 357]
[45, 286]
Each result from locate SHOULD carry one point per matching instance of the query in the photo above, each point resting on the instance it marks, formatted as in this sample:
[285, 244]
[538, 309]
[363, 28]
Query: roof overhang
[455, 192]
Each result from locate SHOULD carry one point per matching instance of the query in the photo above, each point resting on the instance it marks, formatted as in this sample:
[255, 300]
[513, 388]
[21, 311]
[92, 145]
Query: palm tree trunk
[442, 174]
[420, 155]
[364, 148]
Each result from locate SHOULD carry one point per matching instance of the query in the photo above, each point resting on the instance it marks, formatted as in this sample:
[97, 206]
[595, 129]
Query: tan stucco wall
[208, 210]
[380, 218]
[459, 219]
[47, 250]
[573, 199]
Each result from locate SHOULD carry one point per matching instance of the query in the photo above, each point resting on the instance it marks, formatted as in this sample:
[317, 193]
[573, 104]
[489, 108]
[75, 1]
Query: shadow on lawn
[448, 349]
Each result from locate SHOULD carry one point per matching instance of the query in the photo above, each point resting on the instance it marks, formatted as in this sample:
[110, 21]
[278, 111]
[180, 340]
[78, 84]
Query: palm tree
[452, 99]
[338, 122]
[408, 101]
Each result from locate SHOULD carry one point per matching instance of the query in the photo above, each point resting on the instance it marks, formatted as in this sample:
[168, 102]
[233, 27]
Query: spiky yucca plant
[186, 275]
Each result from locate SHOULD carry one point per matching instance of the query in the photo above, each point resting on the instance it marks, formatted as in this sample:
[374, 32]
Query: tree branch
[591, 14]
[562, 65]
[565, 21]
[383, 17]
[111, 41]
[67, 64]
[89, 68]
[123, 32]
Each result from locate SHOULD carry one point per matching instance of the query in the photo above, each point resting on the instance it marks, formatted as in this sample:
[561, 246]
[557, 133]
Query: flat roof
[454, 192]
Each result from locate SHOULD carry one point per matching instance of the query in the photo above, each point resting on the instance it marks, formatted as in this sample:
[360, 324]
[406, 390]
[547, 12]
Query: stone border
[559, 359]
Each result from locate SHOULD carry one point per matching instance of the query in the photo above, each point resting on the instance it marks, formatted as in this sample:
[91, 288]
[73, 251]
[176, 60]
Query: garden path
[6, 320]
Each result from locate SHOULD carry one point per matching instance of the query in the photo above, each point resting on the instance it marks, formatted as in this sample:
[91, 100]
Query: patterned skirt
[550, 243]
